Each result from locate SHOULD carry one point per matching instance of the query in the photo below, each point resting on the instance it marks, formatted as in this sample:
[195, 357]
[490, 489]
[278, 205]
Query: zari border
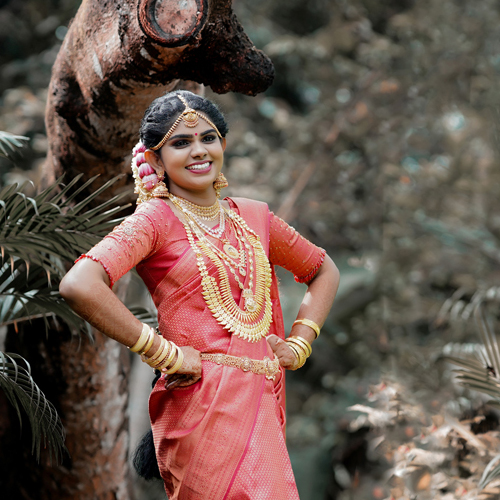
[306, 279]
[95, 259]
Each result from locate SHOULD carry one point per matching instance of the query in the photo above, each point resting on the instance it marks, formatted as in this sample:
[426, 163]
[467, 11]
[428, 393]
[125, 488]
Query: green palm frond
[27, 295]
[10, 143]
[37, 236]
[490, 473]
[144, 314]
[462, 304]
[480, 370]
[22, 392]
[47, 229]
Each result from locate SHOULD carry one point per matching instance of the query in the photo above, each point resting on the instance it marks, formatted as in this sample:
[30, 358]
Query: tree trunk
[117, 56]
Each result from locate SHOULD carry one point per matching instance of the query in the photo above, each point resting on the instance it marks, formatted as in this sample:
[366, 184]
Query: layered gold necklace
[252, 322]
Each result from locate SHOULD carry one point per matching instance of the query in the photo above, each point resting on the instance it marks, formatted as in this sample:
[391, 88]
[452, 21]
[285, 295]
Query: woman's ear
[154, 160]
[223, 142]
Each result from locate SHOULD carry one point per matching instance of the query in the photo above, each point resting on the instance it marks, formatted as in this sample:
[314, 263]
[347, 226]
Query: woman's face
[192, 159]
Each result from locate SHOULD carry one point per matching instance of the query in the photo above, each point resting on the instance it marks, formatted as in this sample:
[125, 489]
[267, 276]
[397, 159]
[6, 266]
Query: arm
[288, 249]
[316, 305]
[86, 289]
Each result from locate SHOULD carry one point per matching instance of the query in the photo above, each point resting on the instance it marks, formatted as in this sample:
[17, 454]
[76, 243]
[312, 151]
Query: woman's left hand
[283, 352]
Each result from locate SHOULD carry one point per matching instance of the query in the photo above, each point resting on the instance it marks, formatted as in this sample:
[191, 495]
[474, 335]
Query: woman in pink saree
[217, 411]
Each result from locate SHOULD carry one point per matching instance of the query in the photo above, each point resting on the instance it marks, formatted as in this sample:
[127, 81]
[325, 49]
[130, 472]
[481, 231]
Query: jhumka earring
[160, 190]
[220, 183]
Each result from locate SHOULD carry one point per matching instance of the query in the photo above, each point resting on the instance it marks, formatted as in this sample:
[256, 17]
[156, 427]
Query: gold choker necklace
[204, 213]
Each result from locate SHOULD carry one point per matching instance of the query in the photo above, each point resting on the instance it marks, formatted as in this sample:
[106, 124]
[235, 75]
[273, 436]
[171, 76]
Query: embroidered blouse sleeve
[290, 250]
[130, 242]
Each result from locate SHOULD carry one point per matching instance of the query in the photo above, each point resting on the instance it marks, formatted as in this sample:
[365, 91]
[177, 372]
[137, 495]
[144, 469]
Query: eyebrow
[190, 136]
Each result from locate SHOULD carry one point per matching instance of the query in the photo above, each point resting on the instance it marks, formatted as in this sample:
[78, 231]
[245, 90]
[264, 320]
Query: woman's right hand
[190, 371]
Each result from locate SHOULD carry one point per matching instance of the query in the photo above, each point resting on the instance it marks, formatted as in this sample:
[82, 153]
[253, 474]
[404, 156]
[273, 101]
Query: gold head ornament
[190, 117]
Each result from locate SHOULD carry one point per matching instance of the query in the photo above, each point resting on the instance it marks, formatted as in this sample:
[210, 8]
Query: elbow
[332, 269]
[68, 288]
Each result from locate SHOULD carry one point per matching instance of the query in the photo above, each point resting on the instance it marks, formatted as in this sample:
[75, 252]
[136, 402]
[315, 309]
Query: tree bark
[118, 56]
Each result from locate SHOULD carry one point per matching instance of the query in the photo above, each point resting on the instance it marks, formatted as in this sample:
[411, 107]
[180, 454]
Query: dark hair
[144, 456]
[164, 110]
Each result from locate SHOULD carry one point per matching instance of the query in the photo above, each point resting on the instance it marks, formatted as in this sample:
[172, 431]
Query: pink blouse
[153, 239]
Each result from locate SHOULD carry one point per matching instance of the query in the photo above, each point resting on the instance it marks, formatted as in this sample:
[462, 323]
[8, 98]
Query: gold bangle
[178, 363]
[299, 354]
[143, 338]
[153, 363]
[158, 352]
[149, 342]
[169, 359]
[306, 346]
[309, 323]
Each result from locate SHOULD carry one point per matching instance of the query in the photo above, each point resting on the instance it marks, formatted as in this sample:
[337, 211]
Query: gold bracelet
[153, 363]
[169, 359]
[302, 342]
[157, 353]
[309, 323]
[178, 363]
[143, 338]
[299, 354]
[149, 343]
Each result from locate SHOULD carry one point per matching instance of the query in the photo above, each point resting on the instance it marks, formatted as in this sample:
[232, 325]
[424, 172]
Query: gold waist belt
[265, 367]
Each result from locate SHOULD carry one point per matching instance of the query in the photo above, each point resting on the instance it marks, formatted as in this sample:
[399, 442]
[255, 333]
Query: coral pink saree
[223, 437]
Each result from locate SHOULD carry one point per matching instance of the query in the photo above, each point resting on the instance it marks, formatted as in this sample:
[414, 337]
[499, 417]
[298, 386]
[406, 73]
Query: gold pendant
[250, 303]
[231, 251]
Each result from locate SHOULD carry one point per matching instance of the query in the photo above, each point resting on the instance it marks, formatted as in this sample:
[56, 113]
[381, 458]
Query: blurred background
[379, 141]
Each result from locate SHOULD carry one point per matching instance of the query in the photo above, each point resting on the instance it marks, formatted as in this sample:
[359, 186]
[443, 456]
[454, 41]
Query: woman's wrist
[309, 323]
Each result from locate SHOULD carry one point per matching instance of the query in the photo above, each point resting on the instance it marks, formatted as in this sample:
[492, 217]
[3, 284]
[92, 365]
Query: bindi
[196, 133]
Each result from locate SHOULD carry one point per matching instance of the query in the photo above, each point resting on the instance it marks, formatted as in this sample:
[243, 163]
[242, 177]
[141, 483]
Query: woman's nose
[198, 149]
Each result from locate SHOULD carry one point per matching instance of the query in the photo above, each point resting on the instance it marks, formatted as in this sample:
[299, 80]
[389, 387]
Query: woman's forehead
[199, 129]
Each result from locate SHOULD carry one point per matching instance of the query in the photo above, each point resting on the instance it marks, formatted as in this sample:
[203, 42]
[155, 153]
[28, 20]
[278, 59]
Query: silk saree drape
[223, 437]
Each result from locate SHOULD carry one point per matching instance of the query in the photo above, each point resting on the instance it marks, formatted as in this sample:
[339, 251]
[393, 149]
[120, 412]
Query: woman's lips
[200, 168]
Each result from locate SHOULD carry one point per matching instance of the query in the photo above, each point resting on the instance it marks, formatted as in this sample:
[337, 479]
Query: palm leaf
[10, 143]
[22, 392]
[489, 473]
[480, 370]
[46, 230]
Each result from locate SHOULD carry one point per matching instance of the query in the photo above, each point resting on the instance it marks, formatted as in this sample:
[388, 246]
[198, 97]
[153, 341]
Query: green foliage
[480, 371]
[490, 473]
[37, 236]
[10, 143]
[22, 392]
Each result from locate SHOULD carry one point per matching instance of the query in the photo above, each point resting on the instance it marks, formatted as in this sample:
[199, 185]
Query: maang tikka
[190, 117]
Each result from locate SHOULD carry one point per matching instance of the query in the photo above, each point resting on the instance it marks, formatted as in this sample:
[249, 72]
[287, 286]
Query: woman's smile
[200, 168]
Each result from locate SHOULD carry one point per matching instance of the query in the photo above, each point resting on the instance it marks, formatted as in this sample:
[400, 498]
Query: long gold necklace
[251, 323]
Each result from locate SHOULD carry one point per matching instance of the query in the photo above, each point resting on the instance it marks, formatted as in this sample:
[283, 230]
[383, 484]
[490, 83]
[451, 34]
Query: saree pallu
[223, 437]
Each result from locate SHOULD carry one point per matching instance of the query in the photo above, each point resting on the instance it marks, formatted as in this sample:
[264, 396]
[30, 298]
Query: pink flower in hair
[150, 181]
[145, 169]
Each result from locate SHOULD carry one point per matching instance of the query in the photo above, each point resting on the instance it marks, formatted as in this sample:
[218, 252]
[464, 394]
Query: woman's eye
[209, 138]
[180, 143]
